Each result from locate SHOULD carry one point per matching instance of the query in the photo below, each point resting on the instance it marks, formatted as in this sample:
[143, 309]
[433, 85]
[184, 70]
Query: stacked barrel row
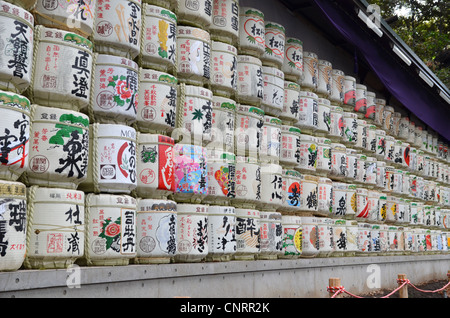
[175, 130]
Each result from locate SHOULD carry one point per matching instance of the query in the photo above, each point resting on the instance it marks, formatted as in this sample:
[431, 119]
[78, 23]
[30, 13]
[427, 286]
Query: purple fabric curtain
[407, 88]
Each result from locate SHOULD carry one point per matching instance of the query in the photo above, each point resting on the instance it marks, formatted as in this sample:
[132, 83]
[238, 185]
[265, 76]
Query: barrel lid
[157, 76]
[250, 109]
[292, 129]
[60, 116]
[57, 195]
[249, 59]
[272, 120]
[115, 130]
[117, 60]
[152, 10]
[62, 36]
[290, 40]
[198, 91]
[216, 154]
[251, 11]
[223, 47]
[14, 100]
[156, 205]
[274, 25]
[291, 85]
[193, 32]
[12, 189]
[222, 210]
[19, 12]
[154, 138]
[308, 94]
[192, 208]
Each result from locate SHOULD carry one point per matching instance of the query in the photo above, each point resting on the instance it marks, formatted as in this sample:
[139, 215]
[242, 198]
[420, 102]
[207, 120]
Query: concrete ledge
[304, 277]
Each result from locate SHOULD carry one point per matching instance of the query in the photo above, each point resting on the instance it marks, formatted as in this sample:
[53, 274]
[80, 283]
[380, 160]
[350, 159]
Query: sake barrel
[352, 238]
[379, 109]
[112, 159]
[398, 153]
[408, 240]
[250, 85]
[324, 117]
[370, 108]
[168, 4]
[248, 182]
[59, 156]
[289, 112]
[271, 235]
[293, 60]
[291, 189]
[308, 154]
[360, 100]
[292, 237]
[192, 232]
[388, 114]
[349, 93]
[337, 87]
[62, 73]
[194, 114]
[338, 162]
[270, 147]
[275, 39]
[412, 162]
[339, 237]
[158, 39]
[364, 241]
[155, 166]
[325, 196]
[290, 146]
[117, 28]
[55, 227]
[344, 200]
[323, 167]
[156, 231]
[336, 123]
[403, 130]
[380, 150]
[225, 21]
[324, 79]
[310, 71]
[13, 223]
[221, 177]
[247, 234]
[115, 90]
[352, 165]
[362, 132]
[15, 138]
[190, 168]
[412, 132]
[223, 69]
[309, 193]
[193, 55]
[195, 13]
[391, 209]
[74, 17]
[418, 137]
[157, 101]
[373, 200]
[370, 167]
[350, 129]
[376, 239]
[273, 91]
[406, 151]
[251, 32]
[18, 35]
[311, 236]
[361, 176]
[271, 187]
[308, 108]
[381, 175]
[223, 124]
[362, 204]
[389, 142]
[248, 130]
[403, 211]
[384, 239]
[389, 185]
[26, 4]
[326, 243]
[221, 233]
[393, 239]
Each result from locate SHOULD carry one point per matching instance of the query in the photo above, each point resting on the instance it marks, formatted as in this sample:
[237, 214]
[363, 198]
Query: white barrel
[418, 137]
[412, 132]
[412, 161]
[117, 28]
[408, 240]
[323, 167]
[339, 237]
[362, 205]
[248, 130]
[55, 227]
[155, 166]
[388, 114]
[221, 233]
[112, 159]
[420, 163]
[311, 236]
[156, 231]
[115, 90]
[336, 123]
[62, 73]
[361, 176]
[310, 71]
[337, 87]
[247, 234]
[380, 150]
[379, 109]
[293, 59]
[326, 243]
[364, 240]
[324, 117]
[360, 100]
[391, 208]
[289, 112]
[190, 168]
[157, 101]
[308, 108]
[15, 140]
[324, 78]
[273, 91]
[250, 87]
[192, 233]
[325, 197]
[18, 35]
[251, 32]
[389, 142]
[193, 55]
[352, 165]
[338, 162]
[222, 124]
[352, 238]
[373, 199]
[362, 134]
[395, 127]
[393, 239]
[271, 235]
[271, 187]
[370, 167]
[290, 146]
[349, 93]
[194, 115]
[403, 211]
[308, 154]
[158, 39]
[275, 39]
[221, 177]
[270, 147]
[406, 151]
[223, 69]
[375, 234]
[225, 21]
[291, 191]
[74, 17]
[403, 130]
[292, 236]
[59, 156]
[350, 129]
[195, 13]
[370, 108]
[248, 181]
[309, 193]
[344, 200]
[390, 179]
[13, 224]
[398, 153]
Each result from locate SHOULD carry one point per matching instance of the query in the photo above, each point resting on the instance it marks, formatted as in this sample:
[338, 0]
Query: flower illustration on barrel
[123, 91]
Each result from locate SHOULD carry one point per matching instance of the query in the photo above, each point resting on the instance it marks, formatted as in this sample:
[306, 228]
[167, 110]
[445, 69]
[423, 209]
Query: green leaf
[197, 114]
